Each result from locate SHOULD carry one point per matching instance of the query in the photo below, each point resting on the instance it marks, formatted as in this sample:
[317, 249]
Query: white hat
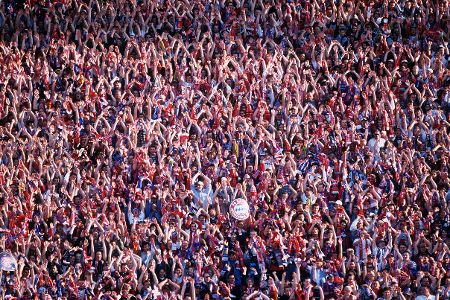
[338, 202]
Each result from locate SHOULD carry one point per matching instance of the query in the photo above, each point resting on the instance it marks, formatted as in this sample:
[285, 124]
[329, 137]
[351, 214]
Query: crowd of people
[128, 127]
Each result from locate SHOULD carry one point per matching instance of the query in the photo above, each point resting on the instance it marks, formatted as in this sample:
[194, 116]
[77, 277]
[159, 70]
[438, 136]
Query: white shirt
[376, 145]
[138, 219]
[423, 297]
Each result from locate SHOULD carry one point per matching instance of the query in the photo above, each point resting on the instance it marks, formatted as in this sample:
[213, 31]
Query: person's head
[212, 211]
[347, 291]
[447, 281]
[425, 282]
[387, 293]
[202, 218]
[123, 267]
[199, 185]
[231, 279]
[162, 274]
[423, 249]
[207, 277]
[371, 276]
[402, 248]
[377, 134]
[315, 231]
[425, 291]
[146, 284]
[184, 244]
[350, 252]
[382, 244]
[36, 218]
[250, 282]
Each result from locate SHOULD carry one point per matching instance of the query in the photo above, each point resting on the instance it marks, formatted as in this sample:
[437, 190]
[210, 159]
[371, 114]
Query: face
[315, 231]
[425, 282]
[123, 267]
[231, 279]
[184, 245]
[162, 273]
[307, 283]
[402, 249]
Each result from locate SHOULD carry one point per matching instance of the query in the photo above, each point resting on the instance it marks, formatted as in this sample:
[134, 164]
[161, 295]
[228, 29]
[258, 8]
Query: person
[202, 191]
[376, 143]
